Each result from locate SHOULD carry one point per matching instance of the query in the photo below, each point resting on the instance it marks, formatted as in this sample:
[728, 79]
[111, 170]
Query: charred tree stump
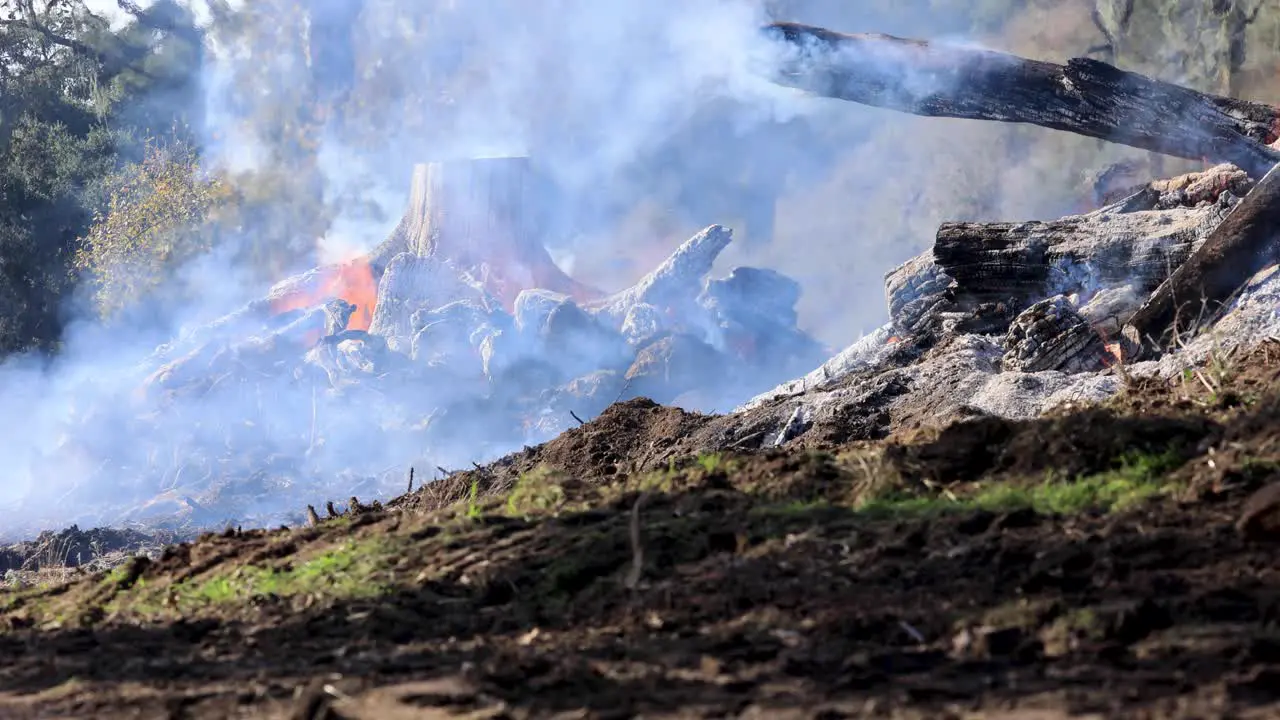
[482, 217]
[1085, 96]
[1235, 251]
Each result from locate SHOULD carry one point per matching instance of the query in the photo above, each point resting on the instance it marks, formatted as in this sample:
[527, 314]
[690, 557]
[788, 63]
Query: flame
[352, 281]
[891, 340]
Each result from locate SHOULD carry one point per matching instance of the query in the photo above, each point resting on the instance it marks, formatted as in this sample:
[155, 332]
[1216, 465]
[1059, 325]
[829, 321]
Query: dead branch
[1087, 97]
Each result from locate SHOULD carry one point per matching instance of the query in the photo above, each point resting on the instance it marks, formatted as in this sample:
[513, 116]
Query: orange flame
[891, 340]
[352, 281]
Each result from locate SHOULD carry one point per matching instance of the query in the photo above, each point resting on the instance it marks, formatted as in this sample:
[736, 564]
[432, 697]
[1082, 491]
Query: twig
[744, 440]
[637, 547]
[625, 385]
[914, 633]
[574, 415]
[410, 480]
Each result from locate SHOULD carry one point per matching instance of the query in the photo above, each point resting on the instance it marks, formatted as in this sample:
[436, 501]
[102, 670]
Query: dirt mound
[1089, 441]
[1088, 562]
[629, 437]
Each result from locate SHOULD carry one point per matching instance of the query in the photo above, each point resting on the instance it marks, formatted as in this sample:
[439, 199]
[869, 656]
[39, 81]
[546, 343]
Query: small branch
[637, 546]
[575, 417]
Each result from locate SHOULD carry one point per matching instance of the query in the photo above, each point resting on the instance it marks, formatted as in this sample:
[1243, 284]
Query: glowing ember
[352, 281]
[1114, 355]
[891, 340]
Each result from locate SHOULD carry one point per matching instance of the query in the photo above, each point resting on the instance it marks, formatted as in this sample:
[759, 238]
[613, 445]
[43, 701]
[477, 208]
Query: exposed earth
[1114, 560]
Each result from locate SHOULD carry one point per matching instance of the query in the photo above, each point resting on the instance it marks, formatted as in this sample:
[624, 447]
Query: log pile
[474, 344]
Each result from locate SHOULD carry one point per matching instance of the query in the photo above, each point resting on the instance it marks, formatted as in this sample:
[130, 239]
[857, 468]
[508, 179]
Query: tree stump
[484, 217]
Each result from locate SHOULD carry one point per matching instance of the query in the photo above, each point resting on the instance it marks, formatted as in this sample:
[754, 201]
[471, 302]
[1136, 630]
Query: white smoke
[589, 89]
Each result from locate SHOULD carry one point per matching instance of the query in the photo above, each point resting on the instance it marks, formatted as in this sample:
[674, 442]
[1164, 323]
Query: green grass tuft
[1136, 478]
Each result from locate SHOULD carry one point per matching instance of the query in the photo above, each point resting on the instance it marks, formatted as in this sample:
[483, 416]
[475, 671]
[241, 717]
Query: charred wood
[1052, 335]
[1240, 246]
[1084, 96]
[995, 270]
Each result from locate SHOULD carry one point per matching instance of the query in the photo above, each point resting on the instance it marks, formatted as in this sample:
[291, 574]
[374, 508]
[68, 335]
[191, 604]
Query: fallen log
[1240, 246]
[1107, 260]
[1085, 96]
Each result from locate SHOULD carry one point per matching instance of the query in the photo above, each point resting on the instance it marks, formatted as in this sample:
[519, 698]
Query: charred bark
[1108, 260]
[1085, 96]
[1197, 291]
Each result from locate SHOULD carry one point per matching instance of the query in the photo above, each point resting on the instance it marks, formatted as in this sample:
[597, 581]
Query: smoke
[619, 103]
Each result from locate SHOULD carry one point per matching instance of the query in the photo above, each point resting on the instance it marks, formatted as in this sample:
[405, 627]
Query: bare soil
[615, 572]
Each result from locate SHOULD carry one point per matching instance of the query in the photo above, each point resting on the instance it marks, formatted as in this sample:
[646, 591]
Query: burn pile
[455, 340]
[1014, 319]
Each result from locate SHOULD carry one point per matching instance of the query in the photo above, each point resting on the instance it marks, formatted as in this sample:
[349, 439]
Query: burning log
[1240, 246]
[480, 215]
[1052, 335]
[1085, 96]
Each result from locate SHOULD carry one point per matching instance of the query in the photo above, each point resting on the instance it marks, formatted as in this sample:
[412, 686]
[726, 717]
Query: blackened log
[1109, 260]
[1085, 96]
[1196, 292]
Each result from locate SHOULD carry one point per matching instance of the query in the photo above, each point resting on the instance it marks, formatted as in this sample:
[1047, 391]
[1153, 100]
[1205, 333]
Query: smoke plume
[622, 105]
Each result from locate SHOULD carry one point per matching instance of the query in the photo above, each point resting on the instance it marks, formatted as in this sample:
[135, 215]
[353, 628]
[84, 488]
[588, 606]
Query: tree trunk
[1084, 96]
[484, 217]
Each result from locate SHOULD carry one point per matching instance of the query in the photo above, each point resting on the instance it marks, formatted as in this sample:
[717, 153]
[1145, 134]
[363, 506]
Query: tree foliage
[158, 213]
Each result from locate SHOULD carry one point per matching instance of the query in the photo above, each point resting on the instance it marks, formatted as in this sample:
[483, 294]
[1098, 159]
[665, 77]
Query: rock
[1260, 517]
[1051, 335]
[672, 365]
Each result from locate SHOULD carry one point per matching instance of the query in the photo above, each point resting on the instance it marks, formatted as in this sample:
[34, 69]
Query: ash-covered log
[1107, 260]
[673, 286]
[1240, 246]
[1085, 96]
